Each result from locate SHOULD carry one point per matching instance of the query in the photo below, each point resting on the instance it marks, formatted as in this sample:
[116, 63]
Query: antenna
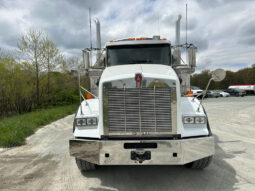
[186, 24]
[186, 33]
[158, 26]
[90, 29]
[90, 36]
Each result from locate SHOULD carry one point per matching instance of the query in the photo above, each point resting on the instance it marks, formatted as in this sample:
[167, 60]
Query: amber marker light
[164, 39]
[144, 39]
[111, 40]
[138, 39]
[88, 96]
[189, 93]
[132, 39]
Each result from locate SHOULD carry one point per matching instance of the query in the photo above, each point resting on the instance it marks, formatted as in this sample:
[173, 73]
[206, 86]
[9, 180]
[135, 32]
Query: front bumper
[167, 152]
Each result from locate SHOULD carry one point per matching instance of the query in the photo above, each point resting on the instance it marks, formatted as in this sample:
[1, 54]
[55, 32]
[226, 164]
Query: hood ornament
[138, 79]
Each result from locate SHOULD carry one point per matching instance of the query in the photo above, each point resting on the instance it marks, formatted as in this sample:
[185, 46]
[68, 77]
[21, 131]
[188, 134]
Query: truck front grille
[139, 110]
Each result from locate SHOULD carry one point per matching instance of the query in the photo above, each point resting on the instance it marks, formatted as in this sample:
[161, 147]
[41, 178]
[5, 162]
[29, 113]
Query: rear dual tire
[200, 164]
[85, 166]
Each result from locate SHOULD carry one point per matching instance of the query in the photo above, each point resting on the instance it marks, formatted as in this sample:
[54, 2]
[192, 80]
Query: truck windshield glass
[138, 54]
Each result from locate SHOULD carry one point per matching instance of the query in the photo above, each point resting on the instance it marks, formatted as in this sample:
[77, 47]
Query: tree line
[240, 77]
[36, 75]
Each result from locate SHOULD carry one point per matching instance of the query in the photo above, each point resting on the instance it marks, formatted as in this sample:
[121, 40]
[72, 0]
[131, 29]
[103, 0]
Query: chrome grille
[139, 110]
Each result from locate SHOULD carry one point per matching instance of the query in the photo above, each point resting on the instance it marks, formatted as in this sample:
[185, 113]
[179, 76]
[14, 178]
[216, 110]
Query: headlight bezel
[187, 119]
[89, 119]
[86, 124]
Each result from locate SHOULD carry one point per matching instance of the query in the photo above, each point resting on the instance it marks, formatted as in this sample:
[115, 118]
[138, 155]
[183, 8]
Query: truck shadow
[218, 176]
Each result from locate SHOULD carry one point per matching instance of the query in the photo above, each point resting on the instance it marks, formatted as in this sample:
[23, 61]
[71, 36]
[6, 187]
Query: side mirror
[192, 56]
[86, 59]
[218, 75]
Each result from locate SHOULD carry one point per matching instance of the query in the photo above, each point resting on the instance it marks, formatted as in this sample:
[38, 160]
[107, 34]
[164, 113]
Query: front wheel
[201, 163]
[84, 165]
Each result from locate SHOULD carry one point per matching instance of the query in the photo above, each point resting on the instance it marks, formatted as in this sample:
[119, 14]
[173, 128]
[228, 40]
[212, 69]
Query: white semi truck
[137, 111]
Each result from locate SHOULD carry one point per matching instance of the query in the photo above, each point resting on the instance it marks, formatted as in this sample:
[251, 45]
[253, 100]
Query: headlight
[81, 122]
[188, 119]
[92, 121]
[200, 120]
[192, 120]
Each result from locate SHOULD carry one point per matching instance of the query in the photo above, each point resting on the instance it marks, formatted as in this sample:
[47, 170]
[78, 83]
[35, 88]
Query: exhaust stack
[177, 40]
[177, 32]
[98, 38]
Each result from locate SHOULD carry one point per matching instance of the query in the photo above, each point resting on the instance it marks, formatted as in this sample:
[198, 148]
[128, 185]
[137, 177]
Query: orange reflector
[189, 93]
[143, 38]
[164, 39]
[132, 39]
[138, 39]
[88, 96]
[111, 40]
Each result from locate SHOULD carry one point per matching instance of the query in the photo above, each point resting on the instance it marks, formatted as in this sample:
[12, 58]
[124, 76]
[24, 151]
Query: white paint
[243, 87]
[185, 105]
[189, 107]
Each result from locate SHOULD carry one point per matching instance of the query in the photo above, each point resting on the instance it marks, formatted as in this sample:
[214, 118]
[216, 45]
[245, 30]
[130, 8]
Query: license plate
[140, 156]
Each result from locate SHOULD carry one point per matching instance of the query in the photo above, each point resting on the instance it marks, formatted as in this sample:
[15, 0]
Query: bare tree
[31, 45]
[6, 54]
[50, 55]
[61, 63]
[73, 63]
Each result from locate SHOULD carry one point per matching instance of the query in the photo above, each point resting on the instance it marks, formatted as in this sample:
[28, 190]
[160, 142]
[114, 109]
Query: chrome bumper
[168, 152]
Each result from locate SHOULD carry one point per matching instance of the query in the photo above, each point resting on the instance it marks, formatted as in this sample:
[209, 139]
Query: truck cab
[140, 113]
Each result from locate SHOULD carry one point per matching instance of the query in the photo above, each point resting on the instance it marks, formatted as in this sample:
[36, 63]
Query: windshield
[138, 54]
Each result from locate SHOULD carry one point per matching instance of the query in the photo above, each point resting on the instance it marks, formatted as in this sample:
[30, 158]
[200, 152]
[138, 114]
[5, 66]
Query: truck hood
[147, 70]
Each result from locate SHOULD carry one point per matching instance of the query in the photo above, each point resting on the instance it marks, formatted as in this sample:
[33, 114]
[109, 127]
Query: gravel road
[44, 163]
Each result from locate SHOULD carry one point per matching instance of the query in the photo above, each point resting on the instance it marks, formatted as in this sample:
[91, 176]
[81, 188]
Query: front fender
[189, 107]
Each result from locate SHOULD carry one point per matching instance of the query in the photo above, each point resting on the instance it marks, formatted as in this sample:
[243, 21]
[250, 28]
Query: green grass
[15, 129]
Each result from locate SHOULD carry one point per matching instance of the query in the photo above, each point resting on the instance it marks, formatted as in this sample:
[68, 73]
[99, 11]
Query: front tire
[201, 163]
[84, 165]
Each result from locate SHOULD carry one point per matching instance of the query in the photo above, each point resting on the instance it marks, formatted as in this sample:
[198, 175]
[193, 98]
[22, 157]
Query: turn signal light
[189, 93]
[88, 96]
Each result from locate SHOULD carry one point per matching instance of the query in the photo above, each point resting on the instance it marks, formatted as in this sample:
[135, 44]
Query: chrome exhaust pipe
[177, 40]
[177, 31]
[98, 38]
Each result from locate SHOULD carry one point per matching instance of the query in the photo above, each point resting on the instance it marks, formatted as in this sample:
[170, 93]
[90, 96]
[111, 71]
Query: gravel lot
[44, 163]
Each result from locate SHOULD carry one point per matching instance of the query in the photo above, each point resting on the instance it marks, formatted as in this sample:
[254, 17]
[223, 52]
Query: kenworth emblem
[138, 79]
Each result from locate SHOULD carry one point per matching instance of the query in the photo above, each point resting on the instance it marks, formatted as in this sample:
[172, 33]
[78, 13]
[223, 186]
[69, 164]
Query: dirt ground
[44, 163]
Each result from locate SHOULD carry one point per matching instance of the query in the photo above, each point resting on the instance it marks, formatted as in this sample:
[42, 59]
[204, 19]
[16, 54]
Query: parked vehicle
[223, 94]
[196, 90]
[212, 94]
[236, 92]
[137, 111]
[249, 88]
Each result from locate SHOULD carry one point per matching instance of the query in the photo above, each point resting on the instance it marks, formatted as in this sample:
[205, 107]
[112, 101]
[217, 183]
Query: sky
[223, 30]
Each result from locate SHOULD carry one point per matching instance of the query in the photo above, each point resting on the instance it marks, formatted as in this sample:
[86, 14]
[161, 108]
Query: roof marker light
[138, 39]
[144, 38]
[111, 40]
[132, 39]
[164, 39]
